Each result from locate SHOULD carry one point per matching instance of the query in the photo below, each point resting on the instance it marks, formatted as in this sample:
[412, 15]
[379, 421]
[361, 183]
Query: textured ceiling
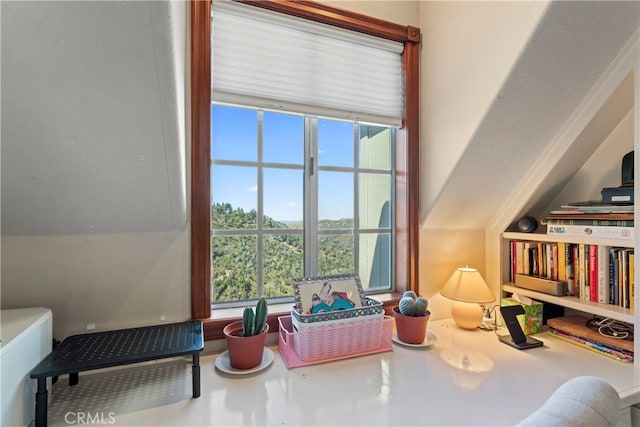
[570, 49]
[92, 117]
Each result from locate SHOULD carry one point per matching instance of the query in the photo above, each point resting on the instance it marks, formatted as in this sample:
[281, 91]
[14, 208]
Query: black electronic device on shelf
[622, 195]
[516, 337]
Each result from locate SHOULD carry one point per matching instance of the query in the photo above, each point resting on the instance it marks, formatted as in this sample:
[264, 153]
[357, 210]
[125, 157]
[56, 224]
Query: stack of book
[574, 330]
[592, 218]
[596, 273]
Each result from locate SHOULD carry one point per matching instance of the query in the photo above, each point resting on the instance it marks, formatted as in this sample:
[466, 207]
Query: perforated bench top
[97, 350]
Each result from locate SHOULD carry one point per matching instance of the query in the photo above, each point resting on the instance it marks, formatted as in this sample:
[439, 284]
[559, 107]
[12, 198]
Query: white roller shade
[269, 60]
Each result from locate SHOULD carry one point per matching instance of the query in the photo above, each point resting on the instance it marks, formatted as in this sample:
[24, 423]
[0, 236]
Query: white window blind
[273, 61]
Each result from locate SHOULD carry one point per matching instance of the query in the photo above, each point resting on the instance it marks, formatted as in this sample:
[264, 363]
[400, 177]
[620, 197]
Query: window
[296, 196]
[405, 182]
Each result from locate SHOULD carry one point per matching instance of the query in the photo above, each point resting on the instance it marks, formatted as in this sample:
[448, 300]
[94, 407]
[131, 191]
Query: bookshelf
[571, 302]
[576, 165]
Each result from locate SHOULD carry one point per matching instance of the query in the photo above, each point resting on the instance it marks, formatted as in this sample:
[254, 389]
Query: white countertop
[16, 321]
[465, 378]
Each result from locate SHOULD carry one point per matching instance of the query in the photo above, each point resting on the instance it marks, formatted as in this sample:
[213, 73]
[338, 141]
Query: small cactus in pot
[253, 324]
[413, 305]
[246, 338]
[412, 316]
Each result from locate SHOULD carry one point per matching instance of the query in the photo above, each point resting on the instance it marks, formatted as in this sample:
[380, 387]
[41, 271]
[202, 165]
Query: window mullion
[356, 200]
[260, 210]
[311, 196]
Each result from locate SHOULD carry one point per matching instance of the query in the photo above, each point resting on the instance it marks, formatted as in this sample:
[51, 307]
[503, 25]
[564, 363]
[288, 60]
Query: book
[632, 282]
[596, 207]
[587, 204]
[603, 274]
[562, 261]
[626, 233]
[582, 273]
[519, 257]
[576, 271]
[614, 276]
[625, 303]
[588, 221]
[526, 261]
[603, 350]
[570, 269]
[577, 325]
[593, 273]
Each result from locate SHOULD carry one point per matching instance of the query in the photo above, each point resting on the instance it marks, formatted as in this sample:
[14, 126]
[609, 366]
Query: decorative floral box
[531, 320]
[315, 295]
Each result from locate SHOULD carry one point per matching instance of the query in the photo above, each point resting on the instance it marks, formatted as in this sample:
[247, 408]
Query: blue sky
[234, 137]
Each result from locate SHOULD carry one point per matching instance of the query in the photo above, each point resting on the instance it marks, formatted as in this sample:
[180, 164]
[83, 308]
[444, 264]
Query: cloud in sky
[253, 189]
[292, 204]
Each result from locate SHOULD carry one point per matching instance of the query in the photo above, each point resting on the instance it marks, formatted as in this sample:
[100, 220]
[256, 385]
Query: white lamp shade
[467, 285]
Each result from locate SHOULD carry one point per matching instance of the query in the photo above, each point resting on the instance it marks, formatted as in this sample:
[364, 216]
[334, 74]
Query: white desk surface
[17, 321]
[498, 386]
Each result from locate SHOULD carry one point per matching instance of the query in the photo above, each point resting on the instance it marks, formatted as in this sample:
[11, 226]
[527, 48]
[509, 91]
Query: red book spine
[593, 273]
[576, 271]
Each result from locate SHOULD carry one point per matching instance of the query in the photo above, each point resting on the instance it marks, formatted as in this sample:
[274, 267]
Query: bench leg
[73, 378]
[195, 374]
[41, 403]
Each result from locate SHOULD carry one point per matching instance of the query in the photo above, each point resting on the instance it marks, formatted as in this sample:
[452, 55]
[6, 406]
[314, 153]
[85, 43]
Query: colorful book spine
[600, 349]
[598, 222]
[582, 273]
[593, 273]
[570, 269]
[632, 282]
[615, 275]
[562, 261]
[625, 303]
[519, 257]
[603, 274]
[594, 231]
[576, 271]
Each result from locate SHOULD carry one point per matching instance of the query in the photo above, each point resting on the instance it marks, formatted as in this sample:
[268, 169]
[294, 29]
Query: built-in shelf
[570, 170]
[574, 303]
[543, 237]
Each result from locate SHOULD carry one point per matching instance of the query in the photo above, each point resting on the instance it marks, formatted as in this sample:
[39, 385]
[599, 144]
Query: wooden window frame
[407, 194]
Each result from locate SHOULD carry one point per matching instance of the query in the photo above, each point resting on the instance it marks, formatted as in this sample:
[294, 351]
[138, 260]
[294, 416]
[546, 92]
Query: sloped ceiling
[92, 117]
[570, 49]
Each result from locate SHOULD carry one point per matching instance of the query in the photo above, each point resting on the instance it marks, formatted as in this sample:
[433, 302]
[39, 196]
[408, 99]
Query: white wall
[119, 279]
[469, 48]
[403, 12]
[602, 169]
[108, 280]
[468, 51]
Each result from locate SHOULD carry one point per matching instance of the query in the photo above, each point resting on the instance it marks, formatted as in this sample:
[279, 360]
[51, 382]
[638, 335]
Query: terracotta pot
[411, 329]
[244, 352]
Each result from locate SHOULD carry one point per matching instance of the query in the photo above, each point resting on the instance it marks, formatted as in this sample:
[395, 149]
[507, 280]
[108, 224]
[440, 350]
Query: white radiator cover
[26, 335]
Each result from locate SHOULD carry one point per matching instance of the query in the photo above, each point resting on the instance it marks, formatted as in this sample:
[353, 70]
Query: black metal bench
[98, 350]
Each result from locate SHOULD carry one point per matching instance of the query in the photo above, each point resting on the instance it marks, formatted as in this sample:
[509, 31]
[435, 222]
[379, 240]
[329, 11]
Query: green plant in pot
[246, 338]
[412, 317]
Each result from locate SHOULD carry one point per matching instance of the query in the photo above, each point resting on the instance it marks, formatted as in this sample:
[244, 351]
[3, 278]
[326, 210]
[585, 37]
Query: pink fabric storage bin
[334, 342]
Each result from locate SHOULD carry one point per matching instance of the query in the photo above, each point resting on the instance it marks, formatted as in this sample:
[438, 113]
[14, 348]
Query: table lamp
[468, 289]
